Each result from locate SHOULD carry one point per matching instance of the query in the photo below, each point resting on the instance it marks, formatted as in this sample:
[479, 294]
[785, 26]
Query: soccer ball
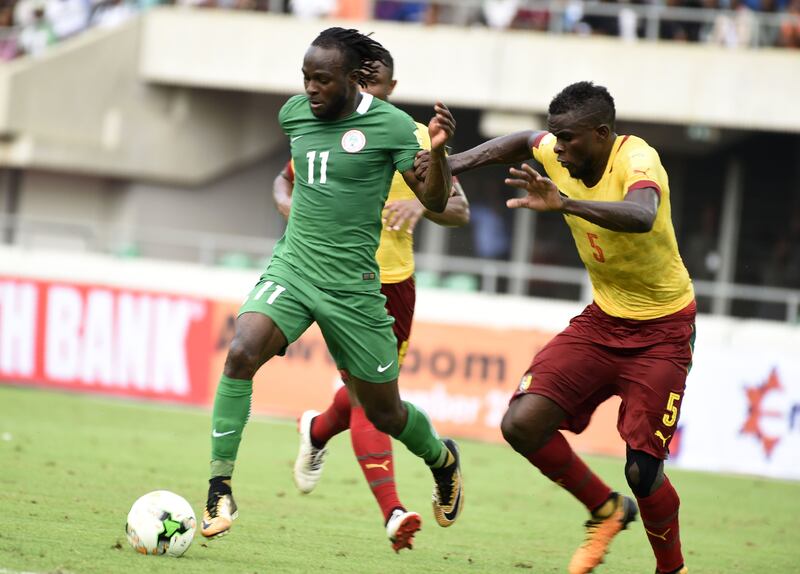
[161, 522]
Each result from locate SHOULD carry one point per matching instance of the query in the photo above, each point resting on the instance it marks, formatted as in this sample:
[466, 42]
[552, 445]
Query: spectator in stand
[627, 22]
[500, 13]
[680, 30]
[67, 17]
[37, 34]
[532, 19]
[401, 11]
[313, 8]
[8, 36]
[790, 28]
[603, 25]
[358, 10]
[734, 28]
[112, 13]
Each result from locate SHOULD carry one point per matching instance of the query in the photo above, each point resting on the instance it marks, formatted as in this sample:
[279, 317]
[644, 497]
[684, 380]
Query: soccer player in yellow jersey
[395, 255]
[635, 340]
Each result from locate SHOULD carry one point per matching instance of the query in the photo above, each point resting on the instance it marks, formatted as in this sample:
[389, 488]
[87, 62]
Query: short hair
[361, 53]
[585, 96]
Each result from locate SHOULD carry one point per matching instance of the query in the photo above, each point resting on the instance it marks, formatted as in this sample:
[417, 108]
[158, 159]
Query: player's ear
[355, 77]
[603, 132]
[392, 85]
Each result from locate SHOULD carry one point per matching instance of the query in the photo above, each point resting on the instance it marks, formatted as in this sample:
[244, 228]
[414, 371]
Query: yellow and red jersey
[634, 275]
[395, 252]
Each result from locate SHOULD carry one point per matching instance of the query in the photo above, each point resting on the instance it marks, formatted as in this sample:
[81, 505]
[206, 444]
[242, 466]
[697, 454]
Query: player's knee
[644, 472]
[388, 421]
[242, 361]
[517, 433]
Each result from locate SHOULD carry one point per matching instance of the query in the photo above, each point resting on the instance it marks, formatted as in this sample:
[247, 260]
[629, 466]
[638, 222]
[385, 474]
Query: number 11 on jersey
[323, 169]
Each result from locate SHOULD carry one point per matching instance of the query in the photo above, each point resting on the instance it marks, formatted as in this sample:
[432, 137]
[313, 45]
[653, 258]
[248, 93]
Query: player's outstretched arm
[282, 191]
[434, 189]
[634, 214]
[512, 148]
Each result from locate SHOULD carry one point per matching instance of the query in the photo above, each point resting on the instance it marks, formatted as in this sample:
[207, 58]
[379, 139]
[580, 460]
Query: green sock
[420, 437]
[231, 411]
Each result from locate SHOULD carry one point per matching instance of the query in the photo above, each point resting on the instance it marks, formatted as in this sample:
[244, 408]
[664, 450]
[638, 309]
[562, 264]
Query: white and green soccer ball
[161, 523]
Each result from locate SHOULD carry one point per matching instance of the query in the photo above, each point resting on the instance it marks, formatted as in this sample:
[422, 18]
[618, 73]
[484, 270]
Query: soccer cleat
[401, 527]
[310, 459]
[600, 532]
[448, 490]
[681, 570]
[220, 511]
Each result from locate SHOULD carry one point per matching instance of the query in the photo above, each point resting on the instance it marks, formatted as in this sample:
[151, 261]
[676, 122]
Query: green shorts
[356, 327]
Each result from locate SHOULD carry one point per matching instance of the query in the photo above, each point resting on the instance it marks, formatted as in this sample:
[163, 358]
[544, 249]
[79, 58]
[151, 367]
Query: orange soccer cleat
[600, 530]
[220, 510]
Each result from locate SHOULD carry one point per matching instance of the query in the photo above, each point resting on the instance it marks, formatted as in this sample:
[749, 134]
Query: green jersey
[343, 170]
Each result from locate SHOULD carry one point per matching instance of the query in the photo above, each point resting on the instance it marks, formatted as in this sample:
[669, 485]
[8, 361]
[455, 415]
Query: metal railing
[209, 248]
[561, 13]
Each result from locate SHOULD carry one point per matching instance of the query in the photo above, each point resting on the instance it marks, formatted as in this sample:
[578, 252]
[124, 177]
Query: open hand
[542, 193]
[441, 127]
[404, 213]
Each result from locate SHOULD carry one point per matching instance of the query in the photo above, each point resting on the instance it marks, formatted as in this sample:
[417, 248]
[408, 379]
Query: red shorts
[597, 356]
[400, 300]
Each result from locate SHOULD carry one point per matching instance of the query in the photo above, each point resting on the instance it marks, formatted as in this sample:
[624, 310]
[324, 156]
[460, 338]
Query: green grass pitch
[72, 465]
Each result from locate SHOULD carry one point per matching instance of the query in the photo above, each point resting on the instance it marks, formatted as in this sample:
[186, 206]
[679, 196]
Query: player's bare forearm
[282, 193]
[513, 148]
[628, 216]
[456, 214]
[436, 188]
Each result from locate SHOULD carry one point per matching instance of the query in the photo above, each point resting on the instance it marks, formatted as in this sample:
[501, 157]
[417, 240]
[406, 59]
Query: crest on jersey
[525, 383]
[353, 141]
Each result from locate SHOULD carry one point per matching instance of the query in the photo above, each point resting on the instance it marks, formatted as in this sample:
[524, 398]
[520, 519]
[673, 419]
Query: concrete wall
[482, 68]
[82, 108]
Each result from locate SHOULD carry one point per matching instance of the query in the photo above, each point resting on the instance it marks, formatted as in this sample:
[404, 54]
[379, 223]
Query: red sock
[660, 519]
[373, 450]
[559, 463]
[334, 420]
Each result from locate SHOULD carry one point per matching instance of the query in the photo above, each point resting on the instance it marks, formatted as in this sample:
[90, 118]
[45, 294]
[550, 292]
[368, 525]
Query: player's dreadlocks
[361, 53]
[592, 99]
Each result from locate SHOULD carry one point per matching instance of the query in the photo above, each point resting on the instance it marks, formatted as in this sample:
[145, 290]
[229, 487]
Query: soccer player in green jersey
[345, 146]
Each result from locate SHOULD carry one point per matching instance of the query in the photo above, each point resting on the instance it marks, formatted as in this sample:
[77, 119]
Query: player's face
[328, 84]
[579, 145]
[383, 84]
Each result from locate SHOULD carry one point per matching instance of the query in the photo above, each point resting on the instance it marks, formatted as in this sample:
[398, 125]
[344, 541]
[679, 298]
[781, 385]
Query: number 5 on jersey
[323, 169]
[598, 251]
[274, 295]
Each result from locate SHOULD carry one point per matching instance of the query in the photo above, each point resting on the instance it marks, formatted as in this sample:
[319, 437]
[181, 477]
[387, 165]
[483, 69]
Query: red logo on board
[756, 411]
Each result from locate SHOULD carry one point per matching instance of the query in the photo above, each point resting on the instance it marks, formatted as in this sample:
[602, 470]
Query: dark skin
[397, 215]
[583, 147]
[333, 92]
[584, 152]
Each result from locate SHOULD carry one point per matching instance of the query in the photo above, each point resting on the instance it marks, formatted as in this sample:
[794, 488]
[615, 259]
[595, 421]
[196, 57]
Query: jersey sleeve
[543, 152]
[642, 166]
[287, 111]
[538, 148]
[406, 141]
[424, 136]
